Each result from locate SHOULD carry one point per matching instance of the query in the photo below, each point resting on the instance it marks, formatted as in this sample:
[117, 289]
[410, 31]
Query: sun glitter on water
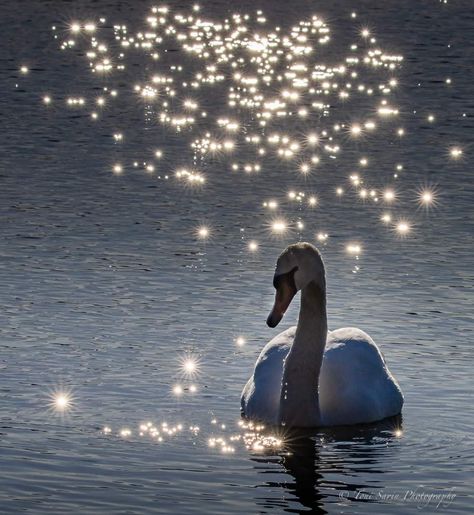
[427, 198]
[61, 401]
[279, 99]
[281, 103]
[203, 232]
[240, 341]
[189, 365]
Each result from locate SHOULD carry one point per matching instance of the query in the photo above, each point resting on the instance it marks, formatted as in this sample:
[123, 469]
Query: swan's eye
[277, 280]
[289, 278]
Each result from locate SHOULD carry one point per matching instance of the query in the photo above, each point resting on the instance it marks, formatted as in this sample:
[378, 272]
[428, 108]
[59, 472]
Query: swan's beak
[285, 291]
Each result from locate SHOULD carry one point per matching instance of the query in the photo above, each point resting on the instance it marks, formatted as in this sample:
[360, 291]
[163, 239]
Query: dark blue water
[105, 285]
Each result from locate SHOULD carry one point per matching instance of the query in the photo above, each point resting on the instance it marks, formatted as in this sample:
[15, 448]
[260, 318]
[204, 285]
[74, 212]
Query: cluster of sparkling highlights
[158, 433]
[255, 438]
[256, 98]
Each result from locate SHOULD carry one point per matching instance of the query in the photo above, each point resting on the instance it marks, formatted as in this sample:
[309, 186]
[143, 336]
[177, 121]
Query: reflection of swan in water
[307, 377]
[320, 469]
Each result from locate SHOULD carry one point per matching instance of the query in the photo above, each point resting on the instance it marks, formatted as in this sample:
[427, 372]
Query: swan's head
[298, 265]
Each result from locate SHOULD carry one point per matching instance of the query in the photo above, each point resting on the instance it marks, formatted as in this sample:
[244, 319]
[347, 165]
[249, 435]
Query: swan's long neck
[299, 400]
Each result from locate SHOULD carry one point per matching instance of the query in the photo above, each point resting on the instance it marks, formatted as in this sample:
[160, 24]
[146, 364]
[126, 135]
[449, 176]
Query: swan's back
[355, 384]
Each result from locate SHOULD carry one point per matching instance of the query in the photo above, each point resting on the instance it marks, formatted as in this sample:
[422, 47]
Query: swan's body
[355, 385]
[307, 376]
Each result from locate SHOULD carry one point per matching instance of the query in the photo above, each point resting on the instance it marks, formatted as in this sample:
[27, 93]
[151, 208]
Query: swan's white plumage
[355, 385]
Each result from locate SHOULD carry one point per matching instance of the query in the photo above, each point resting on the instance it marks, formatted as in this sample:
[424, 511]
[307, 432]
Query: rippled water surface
[106, 285]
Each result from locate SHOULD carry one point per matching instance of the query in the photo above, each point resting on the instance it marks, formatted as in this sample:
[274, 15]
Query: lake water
[106, 285]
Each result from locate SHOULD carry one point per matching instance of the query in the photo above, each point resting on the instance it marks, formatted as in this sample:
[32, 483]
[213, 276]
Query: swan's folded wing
[261, 395]
[355, 384]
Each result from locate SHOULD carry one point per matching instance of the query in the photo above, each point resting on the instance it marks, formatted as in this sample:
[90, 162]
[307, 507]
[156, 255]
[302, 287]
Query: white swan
[307, 377]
